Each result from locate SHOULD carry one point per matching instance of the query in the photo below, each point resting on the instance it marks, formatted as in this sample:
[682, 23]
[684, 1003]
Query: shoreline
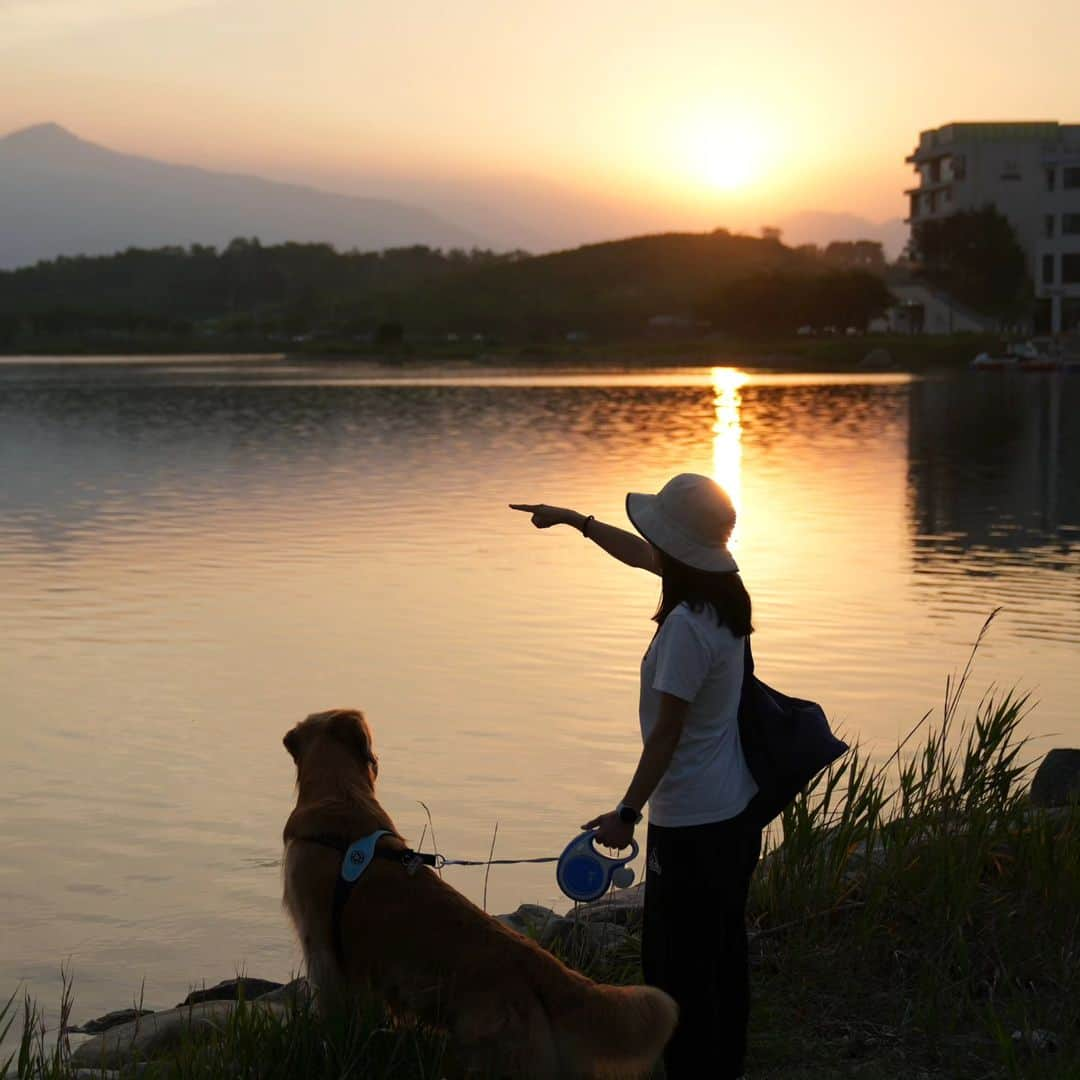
[863, 353]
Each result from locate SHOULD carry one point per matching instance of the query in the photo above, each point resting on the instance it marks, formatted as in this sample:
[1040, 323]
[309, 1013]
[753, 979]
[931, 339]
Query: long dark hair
[725, 593]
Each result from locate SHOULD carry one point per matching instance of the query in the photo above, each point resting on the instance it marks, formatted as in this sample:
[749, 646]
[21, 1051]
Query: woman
[692, 771]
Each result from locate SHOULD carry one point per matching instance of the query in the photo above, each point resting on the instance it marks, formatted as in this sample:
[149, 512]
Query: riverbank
[806, 354]
[920, 919]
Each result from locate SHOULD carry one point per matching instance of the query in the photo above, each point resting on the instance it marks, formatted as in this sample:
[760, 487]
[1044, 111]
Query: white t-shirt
[695, 658]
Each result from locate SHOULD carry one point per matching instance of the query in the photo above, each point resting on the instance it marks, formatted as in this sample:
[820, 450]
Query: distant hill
[604, 287]
[61, 195]
[821, 227]
[664, 283]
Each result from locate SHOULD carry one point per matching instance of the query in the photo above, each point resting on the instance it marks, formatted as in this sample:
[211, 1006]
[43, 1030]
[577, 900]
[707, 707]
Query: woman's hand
[544, 516]
[611, 830]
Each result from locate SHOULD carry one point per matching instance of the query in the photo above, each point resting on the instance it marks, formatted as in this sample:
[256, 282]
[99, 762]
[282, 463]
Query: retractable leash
[586, 874]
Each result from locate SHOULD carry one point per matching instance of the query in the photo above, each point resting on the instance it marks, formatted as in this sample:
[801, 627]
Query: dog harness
[583, 873]
[355, 859]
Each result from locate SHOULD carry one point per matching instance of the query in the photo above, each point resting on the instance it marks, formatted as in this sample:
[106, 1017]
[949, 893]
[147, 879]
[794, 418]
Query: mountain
[820, 227]
[62, 195]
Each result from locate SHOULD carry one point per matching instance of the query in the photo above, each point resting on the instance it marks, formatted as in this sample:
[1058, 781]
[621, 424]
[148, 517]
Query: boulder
[567, 935]
[1036, 1041]
[622, 906]
[232, 990]
[292, 993]
[151, 1036]
[1057, 781]
[109, 1020]
[532, 920]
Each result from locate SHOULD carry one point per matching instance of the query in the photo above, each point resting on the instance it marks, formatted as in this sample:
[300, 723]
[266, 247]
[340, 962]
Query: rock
[622, 906]
[566, 935]
[231, 990]
[162, 1071]
[532, 920]
[290, 994]
[600, 937]
[1057, 781]
[109, 1020]
[150, 1036]
[1036, 1041]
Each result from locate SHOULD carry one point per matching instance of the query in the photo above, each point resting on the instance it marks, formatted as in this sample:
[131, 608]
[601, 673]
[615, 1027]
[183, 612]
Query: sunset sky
[589, 117]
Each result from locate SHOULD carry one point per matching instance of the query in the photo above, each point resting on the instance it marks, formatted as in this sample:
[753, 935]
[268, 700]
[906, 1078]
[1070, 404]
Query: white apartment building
[1031, 173]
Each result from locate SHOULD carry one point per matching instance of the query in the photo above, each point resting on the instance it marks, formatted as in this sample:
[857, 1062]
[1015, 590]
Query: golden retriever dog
[512, 1008]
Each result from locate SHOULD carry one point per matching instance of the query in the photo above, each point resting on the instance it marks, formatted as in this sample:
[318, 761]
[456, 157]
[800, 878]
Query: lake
[195, 553]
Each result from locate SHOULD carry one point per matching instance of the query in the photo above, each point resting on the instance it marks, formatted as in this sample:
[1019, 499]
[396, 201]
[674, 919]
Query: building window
[959, 166]
[1051, 178]
[1071, 177]
[1070, 269]
[1070, 224]
[1048, 270]
[1048, 225]
[1010, 170]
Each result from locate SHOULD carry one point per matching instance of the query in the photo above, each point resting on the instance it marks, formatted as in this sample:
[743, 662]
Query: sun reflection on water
[727, 436]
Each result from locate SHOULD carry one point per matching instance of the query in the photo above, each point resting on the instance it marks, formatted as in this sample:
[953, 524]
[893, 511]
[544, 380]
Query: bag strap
[748, 661]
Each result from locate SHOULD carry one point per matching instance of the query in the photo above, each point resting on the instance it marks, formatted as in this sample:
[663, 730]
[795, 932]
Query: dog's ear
[292, 743]
[348, 726]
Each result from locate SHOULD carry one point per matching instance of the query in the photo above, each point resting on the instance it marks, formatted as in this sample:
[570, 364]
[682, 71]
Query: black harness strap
[343, 889]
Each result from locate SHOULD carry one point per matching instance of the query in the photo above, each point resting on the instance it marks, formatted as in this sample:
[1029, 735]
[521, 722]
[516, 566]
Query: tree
[857, 254]
[779, 303]
[975, 257]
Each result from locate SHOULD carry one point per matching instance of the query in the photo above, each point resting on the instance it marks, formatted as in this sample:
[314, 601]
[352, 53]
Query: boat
[995, 362]
[1039, 354]
[1035, 355]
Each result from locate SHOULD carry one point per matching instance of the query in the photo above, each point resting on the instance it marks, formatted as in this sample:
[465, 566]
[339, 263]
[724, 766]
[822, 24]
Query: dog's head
[346, 728]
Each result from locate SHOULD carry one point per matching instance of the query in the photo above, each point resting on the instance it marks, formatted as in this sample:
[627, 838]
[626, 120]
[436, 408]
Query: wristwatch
[627, 814]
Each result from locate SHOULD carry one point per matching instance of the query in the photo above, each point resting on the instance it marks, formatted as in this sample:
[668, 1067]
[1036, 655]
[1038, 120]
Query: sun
[725, 154]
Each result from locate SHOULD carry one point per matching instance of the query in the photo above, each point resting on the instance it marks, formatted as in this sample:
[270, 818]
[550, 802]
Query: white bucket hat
[690, 519]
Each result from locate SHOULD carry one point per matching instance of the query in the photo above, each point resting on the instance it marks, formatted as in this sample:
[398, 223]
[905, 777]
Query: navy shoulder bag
[786, 742]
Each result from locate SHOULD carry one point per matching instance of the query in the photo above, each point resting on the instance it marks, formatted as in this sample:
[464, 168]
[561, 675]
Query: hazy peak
[63, 195]
[47, 134]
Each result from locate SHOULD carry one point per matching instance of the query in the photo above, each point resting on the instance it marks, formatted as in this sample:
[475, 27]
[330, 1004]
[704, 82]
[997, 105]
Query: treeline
[975, 256]
[247, 290]
[783, 302]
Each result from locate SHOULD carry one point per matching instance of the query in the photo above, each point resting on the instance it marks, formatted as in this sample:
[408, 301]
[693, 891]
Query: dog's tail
[620, 1031]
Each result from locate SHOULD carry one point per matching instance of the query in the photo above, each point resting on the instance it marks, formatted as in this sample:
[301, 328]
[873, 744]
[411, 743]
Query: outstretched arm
[625, 546]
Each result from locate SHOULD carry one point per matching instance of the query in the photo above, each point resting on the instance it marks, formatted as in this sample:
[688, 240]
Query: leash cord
[408, 857]
[492, 862]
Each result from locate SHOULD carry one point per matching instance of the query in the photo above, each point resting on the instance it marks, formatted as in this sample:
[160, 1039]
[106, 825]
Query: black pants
[694, 941]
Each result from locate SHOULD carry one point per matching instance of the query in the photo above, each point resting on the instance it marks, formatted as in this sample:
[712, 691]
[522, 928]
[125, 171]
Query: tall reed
[928, 880]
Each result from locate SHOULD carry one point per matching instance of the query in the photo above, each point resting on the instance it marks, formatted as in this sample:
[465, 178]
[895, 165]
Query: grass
[919, 912]
[916, 915]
